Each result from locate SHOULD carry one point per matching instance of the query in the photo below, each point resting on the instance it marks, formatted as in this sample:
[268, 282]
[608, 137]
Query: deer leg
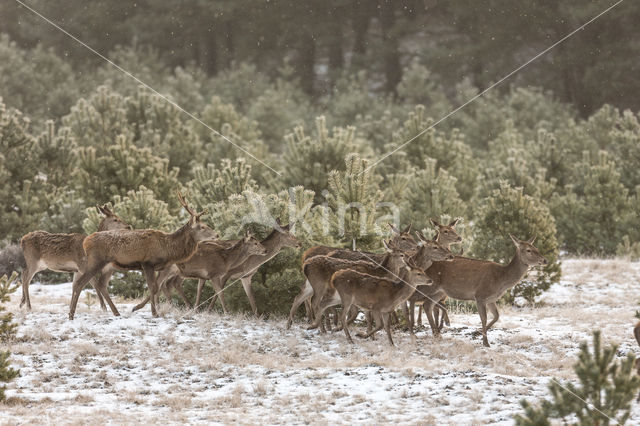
[411, 318]
[419, 320]
[305, 293]
[405, 312]
[369, 319]
[493, 308]
[96, 287]
[428, 309]
[150, 276]
[199, 292]
[377, 319]
[387, 326]
[27, 276]
[177, 285]
[353, 314]
[325, 303]
[482, 311]
[217, 288]
[246, 284]
[345, 325]
[309, 312]
[78, 284]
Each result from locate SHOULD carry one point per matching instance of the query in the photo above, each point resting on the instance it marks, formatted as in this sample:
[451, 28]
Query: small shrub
[7, 332]
[604, 393]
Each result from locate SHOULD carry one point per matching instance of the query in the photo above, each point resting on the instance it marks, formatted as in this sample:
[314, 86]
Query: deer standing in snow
[480, 280]
[147, 249]
[61, 252]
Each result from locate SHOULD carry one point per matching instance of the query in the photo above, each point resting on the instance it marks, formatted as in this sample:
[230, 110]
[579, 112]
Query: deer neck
[181, 244]
[403, 293]
[237, 253]
[513, 272]
[438, 240]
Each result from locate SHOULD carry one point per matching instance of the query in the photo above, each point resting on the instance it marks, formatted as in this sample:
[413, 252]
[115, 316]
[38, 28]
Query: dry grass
[191, 368]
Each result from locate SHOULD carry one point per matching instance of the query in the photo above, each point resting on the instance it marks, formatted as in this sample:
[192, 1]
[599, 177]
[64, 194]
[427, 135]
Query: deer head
[199, 230]
[433, 250]
[403, 239]
[110, 221]
[447, 233]
[414, 276]
[528, 254]
[254, 246]
[286, 236]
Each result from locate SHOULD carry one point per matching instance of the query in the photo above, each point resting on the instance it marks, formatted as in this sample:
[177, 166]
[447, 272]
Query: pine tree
[450, 151]
[7, 332]
[431, 193]
[217, 183]
[591, 216]
[509, 211]
[309, 160]
[604, 393]
[123, 167]
[354, 200]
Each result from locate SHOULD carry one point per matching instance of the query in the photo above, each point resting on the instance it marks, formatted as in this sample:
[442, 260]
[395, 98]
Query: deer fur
[445, 235]
[401, 239]
[376, 294]
[210, 262]
[319, 269]
[280, 237]
[636, 333]
[148, 249]
[480, 280]
[61, 252]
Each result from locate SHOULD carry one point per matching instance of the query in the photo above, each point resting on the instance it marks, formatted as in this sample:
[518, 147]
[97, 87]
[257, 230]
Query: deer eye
[446, 232]
[528, 251]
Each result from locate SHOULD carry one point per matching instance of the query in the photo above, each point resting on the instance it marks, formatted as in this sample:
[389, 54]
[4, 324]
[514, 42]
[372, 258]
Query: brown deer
[378, 295]
[402, 239]
[148, 249]
[319, 269]
[280, 237]
[480, 280]
[445, 235]
[61, 252]
[210, 262]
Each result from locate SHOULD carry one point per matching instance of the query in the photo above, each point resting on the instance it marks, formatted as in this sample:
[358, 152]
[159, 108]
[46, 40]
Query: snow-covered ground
[204, 368]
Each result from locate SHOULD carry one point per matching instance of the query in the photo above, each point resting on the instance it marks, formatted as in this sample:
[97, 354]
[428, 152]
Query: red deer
[480, 280]
[376, 294]
[319, 269]
[280, 237]
[61, 252]
[210, 262]
[148, 249]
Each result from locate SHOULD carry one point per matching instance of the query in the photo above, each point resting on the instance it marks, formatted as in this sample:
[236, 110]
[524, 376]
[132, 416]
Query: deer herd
[412, 270]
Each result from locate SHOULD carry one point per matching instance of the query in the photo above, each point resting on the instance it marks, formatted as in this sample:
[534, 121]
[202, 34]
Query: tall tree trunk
[229, 43]
[390, 54]
[306, 62]
[336, 50]
[207, 52]
[361, 19]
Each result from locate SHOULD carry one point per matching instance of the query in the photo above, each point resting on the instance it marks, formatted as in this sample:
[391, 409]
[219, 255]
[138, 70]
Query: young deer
[61, 252]
[319, 269]
[378, 295]
[280, 237]
[445, 235]
[402, 240]
[148, 249]
[210, 262]
[480, 280]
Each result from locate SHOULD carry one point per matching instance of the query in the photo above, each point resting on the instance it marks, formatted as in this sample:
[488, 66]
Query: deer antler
[189, 210]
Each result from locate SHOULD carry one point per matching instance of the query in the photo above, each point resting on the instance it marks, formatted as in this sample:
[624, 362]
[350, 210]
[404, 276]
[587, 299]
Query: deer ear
[407, 229]
[454, 222]
[386, 246]
[532, 239]
[515, 240]
[435, 237]
[434, 223]
[393, 227]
